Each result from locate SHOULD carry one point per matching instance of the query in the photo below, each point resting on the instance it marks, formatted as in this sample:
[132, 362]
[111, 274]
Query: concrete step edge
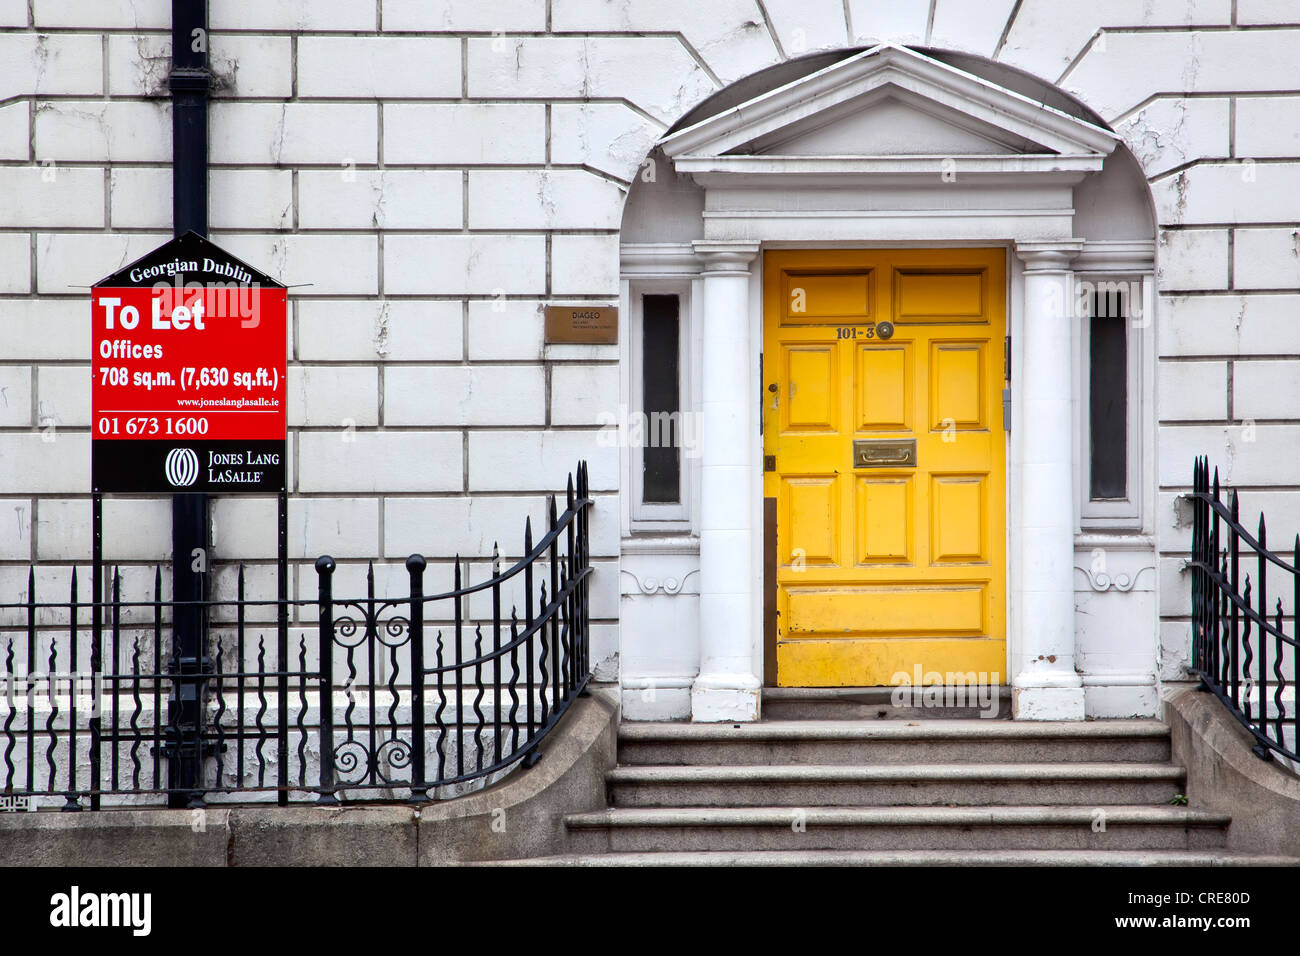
[882, 773]
[963, 729]
[1199, 858]
[1118, 815]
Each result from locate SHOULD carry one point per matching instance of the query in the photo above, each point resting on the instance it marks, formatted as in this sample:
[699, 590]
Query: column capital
[1048, 255]
[726, 256]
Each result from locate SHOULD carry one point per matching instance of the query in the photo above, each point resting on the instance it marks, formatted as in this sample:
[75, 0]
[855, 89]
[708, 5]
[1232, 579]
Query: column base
[1048, 703]
[722, 698]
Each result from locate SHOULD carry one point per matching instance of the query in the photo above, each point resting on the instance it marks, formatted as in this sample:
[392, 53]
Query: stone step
[886, 703]
[1072, 858]
[621, 830]
[820, 742]
[797, 785]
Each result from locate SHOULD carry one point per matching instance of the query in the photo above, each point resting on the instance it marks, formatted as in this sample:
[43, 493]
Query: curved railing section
[1240, 648]
[441, 687]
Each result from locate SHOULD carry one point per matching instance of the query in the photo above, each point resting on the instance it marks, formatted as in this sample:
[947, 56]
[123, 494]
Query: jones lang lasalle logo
[181, 467]
[76, 909]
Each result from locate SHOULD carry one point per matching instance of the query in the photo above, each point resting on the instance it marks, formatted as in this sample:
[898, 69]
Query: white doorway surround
[887, 147]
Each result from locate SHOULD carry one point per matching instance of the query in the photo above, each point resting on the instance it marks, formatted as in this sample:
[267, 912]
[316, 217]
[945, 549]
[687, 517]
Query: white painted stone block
[110, 14]
[16, 542]
[330, 134]
[13, 13]
[380, 199]
[62, 64]
[15, 397]
[332, 264]
[505, 460]
[15, 131]
[972, 27]
[896, 21]
[584, 265]
[333, 396]
[1267, 390]
[464, 395]
[464, 133]
[1193, 391]
[397, 330]
[464, 16]
[1175, 649]
[342, 527]
[655, 73]
[66, 262]
[729, 35]
[805, 26]
[305, 15]
[95, 131]
[52, 196]
[1228, 325]
[580, 393]
[471, 525]
[1133, 65]
[1268, 12]
[501, 328]
[1229, 192]
[45, 460]
[610, 137]
[63, 395]
[1266, 258]
[476, 264]
[250, 198]
[15, 269]
[1192, 259]
[380, 461]
[140, 197]
[366, 67]
[135, 529]
[138, 64]
[44, 328]
[1268, 126]
[1247, 453]
[543, 199]
[245, 65]
[1174, 130]
[1046, 36]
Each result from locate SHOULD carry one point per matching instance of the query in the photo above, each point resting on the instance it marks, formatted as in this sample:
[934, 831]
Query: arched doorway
[994, 226]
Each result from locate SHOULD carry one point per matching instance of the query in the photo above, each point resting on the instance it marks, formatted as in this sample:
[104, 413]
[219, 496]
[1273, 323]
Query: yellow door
[885, 454]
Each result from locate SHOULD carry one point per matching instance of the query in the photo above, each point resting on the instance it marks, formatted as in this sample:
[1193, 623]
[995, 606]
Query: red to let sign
[188, 375]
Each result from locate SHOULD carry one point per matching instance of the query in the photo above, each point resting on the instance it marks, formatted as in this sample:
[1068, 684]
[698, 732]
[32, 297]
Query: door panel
[889, 463]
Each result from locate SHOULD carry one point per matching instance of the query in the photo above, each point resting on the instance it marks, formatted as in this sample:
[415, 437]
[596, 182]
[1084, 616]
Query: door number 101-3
[882, 330]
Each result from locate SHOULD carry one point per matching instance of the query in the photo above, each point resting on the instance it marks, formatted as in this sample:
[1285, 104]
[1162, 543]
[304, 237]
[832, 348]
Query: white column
[727, 689]
[1046, 685]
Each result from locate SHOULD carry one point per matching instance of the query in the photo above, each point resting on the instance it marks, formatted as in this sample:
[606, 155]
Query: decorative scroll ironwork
[377, 705]
[1241, 656]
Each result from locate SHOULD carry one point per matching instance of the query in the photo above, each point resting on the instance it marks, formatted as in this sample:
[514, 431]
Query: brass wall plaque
[581, 325]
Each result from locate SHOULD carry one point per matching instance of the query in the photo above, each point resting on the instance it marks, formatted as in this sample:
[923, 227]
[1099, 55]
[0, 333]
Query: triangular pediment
[887, 104]
[890, 124]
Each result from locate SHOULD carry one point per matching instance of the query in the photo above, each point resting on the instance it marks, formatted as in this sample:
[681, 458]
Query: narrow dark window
[661, 400]
[1108, 397]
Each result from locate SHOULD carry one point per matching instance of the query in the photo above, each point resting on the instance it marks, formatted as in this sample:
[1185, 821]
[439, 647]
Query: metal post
[189, 83]
[325, 583]
[416, 564]
[97, 647]
[282, 650]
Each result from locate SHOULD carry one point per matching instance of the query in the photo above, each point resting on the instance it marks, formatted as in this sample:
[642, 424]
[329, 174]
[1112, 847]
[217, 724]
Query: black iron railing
[330, 700]
[1240, 649]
